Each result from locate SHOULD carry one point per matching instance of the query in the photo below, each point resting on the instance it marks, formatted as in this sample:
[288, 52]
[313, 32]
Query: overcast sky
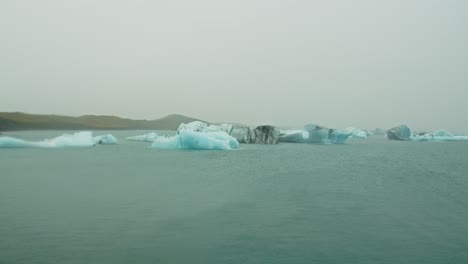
[363, 63]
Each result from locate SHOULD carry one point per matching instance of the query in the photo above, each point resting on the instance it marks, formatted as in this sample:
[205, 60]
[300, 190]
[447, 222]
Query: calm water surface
[370, 201]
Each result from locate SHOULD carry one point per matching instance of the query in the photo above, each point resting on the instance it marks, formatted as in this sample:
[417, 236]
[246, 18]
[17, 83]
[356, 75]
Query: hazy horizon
[362, 63]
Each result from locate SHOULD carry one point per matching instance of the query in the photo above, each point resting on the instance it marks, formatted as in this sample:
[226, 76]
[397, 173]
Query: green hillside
[23, 121]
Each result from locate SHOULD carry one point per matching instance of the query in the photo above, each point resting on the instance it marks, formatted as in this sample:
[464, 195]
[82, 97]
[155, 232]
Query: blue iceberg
[338, 136]
[198, 135]
[317, 134]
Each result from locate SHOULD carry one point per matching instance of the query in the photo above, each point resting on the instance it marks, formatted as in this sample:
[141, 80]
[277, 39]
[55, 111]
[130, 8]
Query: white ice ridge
[198, 135]
[403, 132]
[150, 137]
[79, 139]
[198, 126]
[313, 133]
[439, 135]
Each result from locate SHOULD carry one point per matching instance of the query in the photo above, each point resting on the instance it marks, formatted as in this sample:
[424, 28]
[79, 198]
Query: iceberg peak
[197, 135]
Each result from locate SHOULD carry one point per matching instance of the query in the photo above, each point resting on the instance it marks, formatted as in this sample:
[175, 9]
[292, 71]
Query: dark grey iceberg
[402, 132]
[266, 134]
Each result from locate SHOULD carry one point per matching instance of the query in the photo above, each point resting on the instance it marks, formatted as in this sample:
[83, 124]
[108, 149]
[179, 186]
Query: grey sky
[337, 63]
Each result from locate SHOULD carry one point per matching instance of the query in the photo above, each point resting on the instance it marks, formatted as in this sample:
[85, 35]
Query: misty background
[356, 63]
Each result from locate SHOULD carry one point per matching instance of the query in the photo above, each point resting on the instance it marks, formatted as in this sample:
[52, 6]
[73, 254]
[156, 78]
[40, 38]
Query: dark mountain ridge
[10, 121]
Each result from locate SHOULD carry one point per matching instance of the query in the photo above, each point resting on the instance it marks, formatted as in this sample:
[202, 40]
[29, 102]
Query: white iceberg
[173, 142]
[198, 135]
[243, 134]
[226, 128]
[10, 142]
[439, 135]
[264, 134]
[79, 139]
[198, 126]
[356, 132]
[107, 139]
[316, 134]
[293, 136]
[150, 137]
[403, 132]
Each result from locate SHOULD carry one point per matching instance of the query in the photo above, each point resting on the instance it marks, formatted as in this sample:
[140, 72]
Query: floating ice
[198, 126]
[226, 128]
[442, 133]
[243, 134]
[339, 136]
[439, 135]
[107, 139]
[266, 134]
[79, 139]
[356, 133]
[9, 142]
[293, 136]
[172, 142]
[198, 135]
[187, 139]
[316, 134]
[150, 137]
[403, 132]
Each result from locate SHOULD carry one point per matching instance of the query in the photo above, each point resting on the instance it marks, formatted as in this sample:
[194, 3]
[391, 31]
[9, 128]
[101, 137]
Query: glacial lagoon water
[369, 201]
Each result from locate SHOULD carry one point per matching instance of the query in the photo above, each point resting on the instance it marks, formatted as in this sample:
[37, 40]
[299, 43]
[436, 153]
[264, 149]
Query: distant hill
[23, 121]
[172, 122]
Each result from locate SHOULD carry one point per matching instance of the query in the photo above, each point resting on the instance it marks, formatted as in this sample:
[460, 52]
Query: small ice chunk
[150, 137]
